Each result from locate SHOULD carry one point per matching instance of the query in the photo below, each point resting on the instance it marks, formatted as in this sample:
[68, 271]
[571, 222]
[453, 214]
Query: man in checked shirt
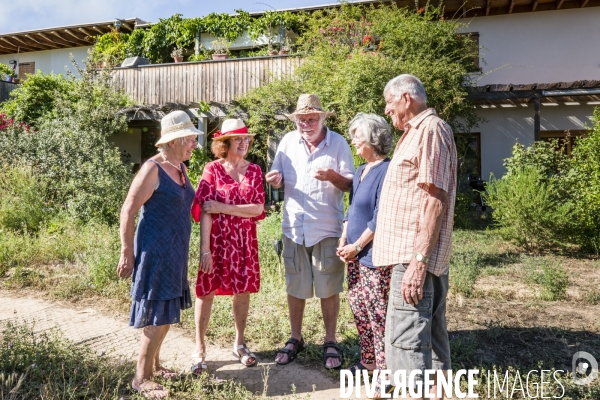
[414, 232]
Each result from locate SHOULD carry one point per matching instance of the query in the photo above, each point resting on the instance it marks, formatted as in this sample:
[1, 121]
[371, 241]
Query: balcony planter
[220, 56]
[178, 59]
[284, 51]
[273, 52]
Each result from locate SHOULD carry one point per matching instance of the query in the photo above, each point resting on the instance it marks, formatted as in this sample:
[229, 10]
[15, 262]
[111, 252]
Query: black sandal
[360, 367]
[339, 355]
[299, 346]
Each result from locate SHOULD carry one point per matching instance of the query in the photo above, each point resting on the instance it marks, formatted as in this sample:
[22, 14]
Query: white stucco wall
[50, 61]
[539, 47]
[505, 126]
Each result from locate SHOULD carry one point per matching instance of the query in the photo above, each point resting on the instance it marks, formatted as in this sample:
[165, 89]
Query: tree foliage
[351, 52]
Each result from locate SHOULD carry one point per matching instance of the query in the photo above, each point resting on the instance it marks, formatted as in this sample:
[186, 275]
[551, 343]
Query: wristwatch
[421, 258]
[358, 247]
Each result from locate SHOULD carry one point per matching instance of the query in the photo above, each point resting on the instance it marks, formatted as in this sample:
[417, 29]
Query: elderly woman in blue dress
[368, 286]
[157, 257]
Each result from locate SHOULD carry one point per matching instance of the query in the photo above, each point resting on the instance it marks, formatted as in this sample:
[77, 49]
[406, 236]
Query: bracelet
[205, 253]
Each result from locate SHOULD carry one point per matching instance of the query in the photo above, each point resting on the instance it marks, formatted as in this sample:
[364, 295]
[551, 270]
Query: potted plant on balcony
[286, 48]
[177, 54]
[220, 49]
[272, 51]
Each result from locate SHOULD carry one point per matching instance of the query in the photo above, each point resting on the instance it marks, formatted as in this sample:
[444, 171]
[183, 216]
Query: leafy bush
[552, 278]
[528, 209]
[6, 72]
[69, 150]
[583, 183]
[38, 96]
[22, 199]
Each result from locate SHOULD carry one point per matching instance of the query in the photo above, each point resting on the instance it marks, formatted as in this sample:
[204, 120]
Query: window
[468, 149]
[26, 68]
[474, 36]
[565, 138]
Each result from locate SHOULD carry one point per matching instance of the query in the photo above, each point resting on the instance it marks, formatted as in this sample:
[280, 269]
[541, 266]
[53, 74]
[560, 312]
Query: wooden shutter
[25, 69]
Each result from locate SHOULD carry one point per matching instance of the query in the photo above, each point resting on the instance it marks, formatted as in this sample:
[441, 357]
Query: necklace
[181, 175]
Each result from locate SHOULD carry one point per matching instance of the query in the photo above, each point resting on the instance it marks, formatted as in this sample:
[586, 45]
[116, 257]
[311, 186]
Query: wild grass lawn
[507, 310]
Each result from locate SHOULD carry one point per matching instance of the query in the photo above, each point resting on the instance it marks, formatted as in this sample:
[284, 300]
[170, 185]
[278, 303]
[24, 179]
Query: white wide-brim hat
[232, 127]
[174, 125]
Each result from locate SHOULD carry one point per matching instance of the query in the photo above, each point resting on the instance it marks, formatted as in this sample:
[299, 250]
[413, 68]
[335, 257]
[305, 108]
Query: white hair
[375, 130]
[406, 83]
[180, 141]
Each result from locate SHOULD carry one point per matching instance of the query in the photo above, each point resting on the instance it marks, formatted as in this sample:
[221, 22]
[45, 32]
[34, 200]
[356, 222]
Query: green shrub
[552, 278]
[22, 199]
[69, 150]
[528, 209]
[583, 182]
[464, 270]
[38, 96]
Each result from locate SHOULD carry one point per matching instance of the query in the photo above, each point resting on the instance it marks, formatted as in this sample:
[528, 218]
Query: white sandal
[246, 356]
[198, 363]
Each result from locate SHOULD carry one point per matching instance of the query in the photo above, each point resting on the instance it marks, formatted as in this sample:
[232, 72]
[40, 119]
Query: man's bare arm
[436, 203]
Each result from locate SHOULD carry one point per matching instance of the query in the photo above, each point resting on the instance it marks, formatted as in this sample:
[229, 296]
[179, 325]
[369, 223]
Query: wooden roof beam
[98, 30]
[81, 40]
[19, 46]
[584, 3]
[13, 48]
[559, 4]
[71, 41]
[512, 5]
[59, 41]
[535, 4]
[88, 33]
[488, 6]
[31, 45]
[44, 43]
[6, 50]
[126, 25]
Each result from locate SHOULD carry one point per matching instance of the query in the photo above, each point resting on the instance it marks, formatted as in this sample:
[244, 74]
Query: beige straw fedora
[176, 124]
[309, 104]
[232, 127]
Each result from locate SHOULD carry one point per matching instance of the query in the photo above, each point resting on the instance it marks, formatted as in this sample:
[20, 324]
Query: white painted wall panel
[50, 61]
[539, 47]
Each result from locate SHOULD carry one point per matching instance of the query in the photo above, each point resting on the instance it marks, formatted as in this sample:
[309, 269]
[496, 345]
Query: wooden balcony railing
[220, 81]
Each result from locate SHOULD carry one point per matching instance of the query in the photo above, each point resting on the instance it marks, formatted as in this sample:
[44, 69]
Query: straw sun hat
[309, 104]
[174, 125]
[232, 127]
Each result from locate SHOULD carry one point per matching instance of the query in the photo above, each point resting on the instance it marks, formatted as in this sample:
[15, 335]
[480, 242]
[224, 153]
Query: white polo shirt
[312, 210]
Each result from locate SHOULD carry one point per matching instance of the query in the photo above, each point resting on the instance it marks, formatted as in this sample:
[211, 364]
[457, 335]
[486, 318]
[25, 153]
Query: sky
[22, 15]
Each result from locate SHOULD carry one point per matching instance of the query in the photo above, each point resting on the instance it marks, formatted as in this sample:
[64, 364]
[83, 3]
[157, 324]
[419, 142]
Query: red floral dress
[233, 241]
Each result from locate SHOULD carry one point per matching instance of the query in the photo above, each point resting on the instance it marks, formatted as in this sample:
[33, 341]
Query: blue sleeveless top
[162, 241]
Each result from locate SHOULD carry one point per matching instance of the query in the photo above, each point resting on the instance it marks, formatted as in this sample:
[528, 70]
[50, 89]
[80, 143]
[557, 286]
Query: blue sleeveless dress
[160, 289]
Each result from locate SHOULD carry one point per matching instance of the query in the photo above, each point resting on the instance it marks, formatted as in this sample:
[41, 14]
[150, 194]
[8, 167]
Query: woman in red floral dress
[231, 197]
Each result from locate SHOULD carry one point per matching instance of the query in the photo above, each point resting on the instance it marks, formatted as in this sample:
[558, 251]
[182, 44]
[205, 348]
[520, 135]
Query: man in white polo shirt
[315, 166]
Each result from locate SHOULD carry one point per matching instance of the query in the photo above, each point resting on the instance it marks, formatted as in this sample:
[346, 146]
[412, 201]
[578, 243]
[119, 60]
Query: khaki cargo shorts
[315, 267]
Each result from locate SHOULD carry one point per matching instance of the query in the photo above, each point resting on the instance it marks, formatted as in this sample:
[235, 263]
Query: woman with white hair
[368, 286]
[157, 256]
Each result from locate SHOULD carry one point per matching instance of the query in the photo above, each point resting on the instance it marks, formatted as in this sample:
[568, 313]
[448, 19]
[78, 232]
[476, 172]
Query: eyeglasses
[309, 121]
[239, 140]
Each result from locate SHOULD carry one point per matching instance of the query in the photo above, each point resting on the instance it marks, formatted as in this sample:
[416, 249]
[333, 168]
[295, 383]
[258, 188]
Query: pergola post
[536, 117]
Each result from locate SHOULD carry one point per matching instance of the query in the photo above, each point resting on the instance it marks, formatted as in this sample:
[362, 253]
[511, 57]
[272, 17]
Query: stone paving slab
[104, 334]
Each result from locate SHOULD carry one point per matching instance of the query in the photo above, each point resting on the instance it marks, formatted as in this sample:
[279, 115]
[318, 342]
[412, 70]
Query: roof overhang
[468, 8]
[63, 37]
[581, 92]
